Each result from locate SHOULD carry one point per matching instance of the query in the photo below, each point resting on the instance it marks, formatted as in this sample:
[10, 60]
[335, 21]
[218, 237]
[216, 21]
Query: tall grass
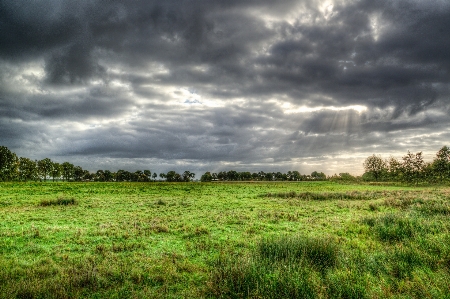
[294, 266]
[435, 207]
[321, 253]
[279, 267]
[394, 227]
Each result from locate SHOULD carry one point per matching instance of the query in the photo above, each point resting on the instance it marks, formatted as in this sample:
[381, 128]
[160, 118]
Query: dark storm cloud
[72, 65]
[32, 28]
[213, 82]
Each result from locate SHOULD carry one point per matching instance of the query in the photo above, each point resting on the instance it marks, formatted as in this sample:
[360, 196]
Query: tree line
[411, 169]
[233, 175]
[14, 168]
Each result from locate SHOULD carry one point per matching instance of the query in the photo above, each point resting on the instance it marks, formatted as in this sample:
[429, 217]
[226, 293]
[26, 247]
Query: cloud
[256, 84]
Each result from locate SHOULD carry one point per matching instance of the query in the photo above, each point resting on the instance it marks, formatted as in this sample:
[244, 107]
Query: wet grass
[219, 240]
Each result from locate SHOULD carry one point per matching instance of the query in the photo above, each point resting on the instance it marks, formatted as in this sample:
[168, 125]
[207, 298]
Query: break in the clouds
[218, 85]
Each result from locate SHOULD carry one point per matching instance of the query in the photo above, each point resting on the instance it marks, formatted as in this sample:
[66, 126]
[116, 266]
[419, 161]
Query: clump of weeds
[60, 201]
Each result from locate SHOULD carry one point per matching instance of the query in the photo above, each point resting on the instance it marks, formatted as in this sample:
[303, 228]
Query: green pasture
[223, 240]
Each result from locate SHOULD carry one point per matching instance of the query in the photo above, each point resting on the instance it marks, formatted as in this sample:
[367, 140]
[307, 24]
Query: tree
[376, 166]
[269, 176]
[188, 176]
[100, 175]
[245, 176]
[139, 176]
[222, 176]
[428, 173]
[56, 171]
[108, 175]
[27, 169]
[232, 175]
[45, 167]
[214, 176]
[206, 177]
[173, 176]
[441, 164]
[413, 166]
[78, 173]
[8, 164]
[148, 175]
[67, 171]
[154, 176]
[296, 176]
[318, 176]
[345, 176]
[395, 169]
[123, 175]
[87, 176]
[279, 176]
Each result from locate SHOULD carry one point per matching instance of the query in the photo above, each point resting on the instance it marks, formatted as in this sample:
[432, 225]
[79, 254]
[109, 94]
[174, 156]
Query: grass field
[223, 240]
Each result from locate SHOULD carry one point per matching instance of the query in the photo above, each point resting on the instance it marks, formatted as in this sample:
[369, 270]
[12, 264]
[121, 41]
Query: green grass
[223, 240]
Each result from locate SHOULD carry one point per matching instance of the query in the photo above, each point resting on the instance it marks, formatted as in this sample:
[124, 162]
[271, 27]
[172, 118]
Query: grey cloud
[31, 28]
[113, 66]
[73, 64]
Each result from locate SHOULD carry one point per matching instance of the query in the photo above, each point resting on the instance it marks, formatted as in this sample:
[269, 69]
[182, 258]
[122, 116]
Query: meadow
[224, 240]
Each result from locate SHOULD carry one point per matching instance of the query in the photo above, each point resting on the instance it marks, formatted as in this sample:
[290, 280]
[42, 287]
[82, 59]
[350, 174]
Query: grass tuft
[435, 208]
[279, 267]
[161, 202]
[60, 201]
[394, 227]
[321, 253]
[249, 277]
[346, 284]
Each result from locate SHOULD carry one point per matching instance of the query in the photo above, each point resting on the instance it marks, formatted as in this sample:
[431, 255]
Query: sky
[212, 85]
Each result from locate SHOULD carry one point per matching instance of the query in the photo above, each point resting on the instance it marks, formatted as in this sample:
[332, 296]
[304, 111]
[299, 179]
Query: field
[223, 240]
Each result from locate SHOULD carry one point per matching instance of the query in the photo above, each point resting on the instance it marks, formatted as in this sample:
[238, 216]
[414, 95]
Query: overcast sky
[204, 85]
